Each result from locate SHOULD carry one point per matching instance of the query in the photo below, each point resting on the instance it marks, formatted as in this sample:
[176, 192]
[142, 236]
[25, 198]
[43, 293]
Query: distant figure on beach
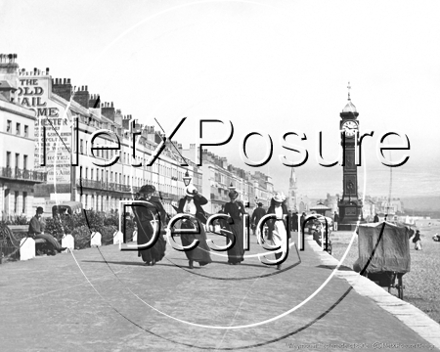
[335, 221]
[417, 241]
[376, 218]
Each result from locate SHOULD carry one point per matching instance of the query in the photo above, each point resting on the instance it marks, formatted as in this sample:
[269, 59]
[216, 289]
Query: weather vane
[349, 87]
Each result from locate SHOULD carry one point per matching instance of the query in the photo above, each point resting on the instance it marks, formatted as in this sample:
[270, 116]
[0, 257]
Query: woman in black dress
[278, 228]
[235, 210]
[192, 204]
[147, 218]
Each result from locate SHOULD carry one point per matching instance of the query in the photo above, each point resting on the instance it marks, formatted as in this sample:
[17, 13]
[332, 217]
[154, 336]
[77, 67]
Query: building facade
[74, 147]
[218, 177]
[17, 174]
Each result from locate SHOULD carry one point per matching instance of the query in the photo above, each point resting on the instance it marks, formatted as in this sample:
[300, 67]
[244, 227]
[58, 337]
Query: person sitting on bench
[36, 231]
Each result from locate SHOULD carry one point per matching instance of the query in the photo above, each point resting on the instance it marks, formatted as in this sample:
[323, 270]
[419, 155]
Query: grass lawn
[422, 284]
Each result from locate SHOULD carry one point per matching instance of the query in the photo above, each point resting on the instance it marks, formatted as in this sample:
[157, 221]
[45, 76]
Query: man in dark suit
[258, 213]
[36, 231]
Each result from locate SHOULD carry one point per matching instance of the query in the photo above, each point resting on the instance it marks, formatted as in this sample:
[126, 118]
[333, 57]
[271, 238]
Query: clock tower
[350, 206]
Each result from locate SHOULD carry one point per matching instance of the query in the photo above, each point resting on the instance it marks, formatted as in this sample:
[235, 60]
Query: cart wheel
[400, 286]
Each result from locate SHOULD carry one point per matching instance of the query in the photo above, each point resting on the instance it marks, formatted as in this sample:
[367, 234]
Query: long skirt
[278, 234]
[200, 253]
[235, 254]
[157, 251]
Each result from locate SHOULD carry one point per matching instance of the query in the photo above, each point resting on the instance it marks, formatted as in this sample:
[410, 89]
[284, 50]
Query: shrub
[111, 220]
[92, 219]
[82, 236]
[53, 227]
[20, 220]
[107, 233]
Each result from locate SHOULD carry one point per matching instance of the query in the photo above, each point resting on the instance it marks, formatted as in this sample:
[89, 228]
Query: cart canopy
[383, 246]
[70, 207]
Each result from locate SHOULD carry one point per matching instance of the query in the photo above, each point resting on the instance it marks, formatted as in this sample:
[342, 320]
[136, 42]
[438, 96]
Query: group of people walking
[154, 214]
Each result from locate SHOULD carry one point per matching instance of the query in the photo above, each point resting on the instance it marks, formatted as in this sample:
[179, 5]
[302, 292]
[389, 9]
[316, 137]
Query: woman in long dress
[192, 204]
[235, 210]
[147, 218]
[278, 228]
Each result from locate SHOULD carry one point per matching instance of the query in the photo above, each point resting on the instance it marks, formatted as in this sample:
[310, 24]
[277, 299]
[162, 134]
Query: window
[81, 146]
[9, 126]
[17, 160]
[91, 174]
[87, 172]
[26, 130]
[24, 202]
[16, 201]
[18, 127]
[25, 158]
[8, 159]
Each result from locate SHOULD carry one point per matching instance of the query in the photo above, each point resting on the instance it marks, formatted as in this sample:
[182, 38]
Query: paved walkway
[107, 300]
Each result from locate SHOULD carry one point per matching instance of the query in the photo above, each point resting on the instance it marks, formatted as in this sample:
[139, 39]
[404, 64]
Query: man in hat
[258, 213]
[36, 231]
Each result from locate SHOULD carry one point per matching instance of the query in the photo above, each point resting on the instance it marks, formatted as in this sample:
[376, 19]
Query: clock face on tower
[350, 128]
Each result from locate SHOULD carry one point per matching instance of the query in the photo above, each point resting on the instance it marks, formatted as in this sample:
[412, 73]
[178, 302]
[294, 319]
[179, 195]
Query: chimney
[119, 117]
[94, 101]
[62, 87]
[108, 111]
[81, 96]
[8, 64]
[126, 122]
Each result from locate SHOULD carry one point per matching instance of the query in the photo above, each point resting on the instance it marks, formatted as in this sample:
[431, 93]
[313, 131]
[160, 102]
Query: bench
[28, 244]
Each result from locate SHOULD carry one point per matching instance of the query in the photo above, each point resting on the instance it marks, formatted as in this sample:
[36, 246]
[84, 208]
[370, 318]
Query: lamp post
[187, 179]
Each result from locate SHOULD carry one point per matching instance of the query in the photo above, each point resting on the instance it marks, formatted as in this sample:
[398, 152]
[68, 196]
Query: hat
[260, 204]
[147, 189]
[40, 210]
[233, 194]
[191, 190]
[279, 197]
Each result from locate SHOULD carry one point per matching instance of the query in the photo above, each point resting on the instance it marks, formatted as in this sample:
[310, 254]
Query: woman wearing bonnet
[278, 228]
[192, 204]
[235, 210]
[147, 218]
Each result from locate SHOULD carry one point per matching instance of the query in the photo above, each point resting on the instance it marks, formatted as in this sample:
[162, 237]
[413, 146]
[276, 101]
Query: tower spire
[349, 87]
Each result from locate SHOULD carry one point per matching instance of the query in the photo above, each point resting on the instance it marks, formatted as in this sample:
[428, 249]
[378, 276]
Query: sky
[270, 67]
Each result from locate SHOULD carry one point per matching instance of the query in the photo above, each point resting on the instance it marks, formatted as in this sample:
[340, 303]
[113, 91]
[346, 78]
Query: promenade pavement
[107, 300]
